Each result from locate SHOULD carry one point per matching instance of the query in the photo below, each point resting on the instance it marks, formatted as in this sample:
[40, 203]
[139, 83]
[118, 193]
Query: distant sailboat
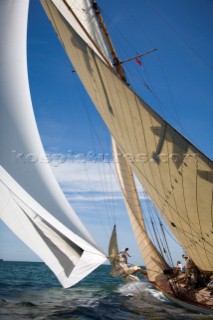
[180, 188]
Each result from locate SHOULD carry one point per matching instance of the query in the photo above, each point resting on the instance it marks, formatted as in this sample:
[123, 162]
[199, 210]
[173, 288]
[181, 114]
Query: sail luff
[176, 175]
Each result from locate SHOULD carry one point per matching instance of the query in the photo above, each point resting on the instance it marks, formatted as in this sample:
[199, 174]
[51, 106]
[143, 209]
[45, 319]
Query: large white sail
[70, 257]
[22, 158]
[176, 175]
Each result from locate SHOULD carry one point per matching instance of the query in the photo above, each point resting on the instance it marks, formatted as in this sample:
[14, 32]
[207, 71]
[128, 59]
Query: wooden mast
[116, 61]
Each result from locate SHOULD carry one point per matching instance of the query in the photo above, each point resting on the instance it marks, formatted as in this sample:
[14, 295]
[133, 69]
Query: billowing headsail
[113, 246]
[173, 172]
[70, 257]
[25, 173]
[154, 262]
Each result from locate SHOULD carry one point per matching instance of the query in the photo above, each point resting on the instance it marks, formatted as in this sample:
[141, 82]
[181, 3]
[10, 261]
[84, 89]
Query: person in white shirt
[124, 253]
[188, 265]
[179, 267]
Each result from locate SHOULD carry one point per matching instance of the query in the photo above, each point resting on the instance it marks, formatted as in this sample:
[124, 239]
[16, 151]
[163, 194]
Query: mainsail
[31, 201]
[173, 172]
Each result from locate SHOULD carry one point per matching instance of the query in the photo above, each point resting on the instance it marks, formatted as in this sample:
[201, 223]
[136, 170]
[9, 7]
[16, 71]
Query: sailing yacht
[34, 207]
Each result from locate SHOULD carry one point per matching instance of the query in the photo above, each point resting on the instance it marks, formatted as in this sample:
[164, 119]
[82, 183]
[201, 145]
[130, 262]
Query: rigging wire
[154, 233]
[107, 187]
[187, 43]
[162, 250]
[155, 225]
[166, 244]
[140, 75]
[162, 244]
[187, 234]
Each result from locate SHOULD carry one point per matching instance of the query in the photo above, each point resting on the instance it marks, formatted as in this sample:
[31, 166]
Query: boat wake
[140, 288]
[132, 289]
[157, 294]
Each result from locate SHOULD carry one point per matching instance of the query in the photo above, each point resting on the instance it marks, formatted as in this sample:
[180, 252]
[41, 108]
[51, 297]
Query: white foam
[131, 289]
[136, 287]
[157, 294]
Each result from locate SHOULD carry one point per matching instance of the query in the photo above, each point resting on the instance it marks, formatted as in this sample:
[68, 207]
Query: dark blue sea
[29, 290]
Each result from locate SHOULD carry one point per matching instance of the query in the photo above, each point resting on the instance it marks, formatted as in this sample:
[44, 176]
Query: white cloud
[86, 177]
[90, 181]
[96, 197]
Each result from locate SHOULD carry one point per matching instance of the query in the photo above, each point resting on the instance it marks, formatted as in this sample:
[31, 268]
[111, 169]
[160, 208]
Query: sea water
[29, 290]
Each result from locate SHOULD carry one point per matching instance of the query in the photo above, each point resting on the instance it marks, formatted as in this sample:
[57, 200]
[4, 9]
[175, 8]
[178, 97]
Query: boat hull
[186, 304]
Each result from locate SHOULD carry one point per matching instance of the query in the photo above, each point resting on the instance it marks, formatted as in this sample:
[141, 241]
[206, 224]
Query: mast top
[116, 61]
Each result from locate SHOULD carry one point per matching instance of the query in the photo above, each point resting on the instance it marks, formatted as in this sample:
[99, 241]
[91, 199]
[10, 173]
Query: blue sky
[179, 75]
